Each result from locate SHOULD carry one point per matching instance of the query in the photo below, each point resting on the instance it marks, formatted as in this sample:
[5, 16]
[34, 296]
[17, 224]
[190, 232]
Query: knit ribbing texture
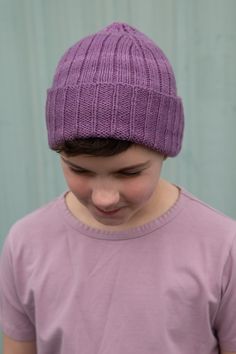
[116, 83]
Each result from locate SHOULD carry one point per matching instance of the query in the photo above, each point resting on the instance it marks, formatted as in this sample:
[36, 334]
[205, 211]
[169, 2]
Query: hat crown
[119, 53]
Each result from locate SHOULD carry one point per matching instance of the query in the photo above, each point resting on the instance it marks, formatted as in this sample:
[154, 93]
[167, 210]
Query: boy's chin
[110, 221]
[114, 223]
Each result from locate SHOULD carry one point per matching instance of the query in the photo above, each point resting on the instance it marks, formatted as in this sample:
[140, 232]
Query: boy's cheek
[78, 186]
[139, 192]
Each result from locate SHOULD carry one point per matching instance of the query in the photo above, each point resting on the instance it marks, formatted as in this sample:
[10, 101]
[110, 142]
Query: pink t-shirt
[166, 287]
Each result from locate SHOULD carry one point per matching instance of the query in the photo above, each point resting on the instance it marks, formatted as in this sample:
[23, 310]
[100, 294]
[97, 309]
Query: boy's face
[109, 190]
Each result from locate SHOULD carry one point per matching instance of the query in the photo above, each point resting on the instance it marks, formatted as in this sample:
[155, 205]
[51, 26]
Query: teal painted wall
[199, 37]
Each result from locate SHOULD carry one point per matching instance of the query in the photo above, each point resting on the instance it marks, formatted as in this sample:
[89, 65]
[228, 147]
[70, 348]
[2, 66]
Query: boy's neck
[162, 200]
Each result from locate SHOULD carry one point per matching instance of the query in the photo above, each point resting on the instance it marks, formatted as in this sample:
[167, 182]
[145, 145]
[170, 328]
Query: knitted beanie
[116, 83]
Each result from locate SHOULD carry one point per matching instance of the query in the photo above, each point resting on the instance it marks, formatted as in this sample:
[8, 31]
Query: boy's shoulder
[206, 216]
[40, 221]
[48, 215]
[196, 218]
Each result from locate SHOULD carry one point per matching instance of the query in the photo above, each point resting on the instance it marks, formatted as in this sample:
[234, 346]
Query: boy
[123, 262]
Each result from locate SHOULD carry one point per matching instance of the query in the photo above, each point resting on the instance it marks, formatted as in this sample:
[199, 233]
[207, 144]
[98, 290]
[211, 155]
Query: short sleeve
[225, 322]
[14, 322]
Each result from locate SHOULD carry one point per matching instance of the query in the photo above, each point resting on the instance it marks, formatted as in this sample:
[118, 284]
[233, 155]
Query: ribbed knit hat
[116, 83]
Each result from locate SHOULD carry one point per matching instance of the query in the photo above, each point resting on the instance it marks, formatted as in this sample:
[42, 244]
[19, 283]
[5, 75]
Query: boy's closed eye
[130, 171]
[127, 174]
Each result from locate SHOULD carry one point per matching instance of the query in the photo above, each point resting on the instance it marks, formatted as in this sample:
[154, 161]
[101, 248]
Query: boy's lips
[110, 212]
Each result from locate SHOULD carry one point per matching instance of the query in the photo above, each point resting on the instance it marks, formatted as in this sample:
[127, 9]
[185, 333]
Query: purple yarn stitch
[116, 83]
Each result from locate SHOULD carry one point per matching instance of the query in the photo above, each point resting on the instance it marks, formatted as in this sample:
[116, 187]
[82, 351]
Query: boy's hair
[94, 146]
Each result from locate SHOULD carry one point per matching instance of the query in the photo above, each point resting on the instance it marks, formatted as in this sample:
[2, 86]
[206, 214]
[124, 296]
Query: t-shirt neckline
[132, 232]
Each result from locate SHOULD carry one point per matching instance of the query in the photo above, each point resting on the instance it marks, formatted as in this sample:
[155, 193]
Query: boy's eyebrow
[143, 164]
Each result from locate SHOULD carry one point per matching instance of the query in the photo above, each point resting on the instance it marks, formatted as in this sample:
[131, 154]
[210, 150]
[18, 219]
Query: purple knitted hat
[116, 83]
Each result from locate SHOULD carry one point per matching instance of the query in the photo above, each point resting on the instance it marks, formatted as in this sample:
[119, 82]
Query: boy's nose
[104, 199]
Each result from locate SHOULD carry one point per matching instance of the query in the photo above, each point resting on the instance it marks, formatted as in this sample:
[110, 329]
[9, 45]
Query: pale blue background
[199, 37]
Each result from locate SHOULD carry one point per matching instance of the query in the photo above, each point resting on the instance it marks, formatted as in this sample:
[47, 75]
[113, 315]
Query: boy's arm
[11, 346]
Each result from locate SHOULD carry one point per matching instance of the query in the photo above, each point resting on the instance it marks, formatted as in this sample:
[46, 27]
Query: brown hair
[94, 146]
